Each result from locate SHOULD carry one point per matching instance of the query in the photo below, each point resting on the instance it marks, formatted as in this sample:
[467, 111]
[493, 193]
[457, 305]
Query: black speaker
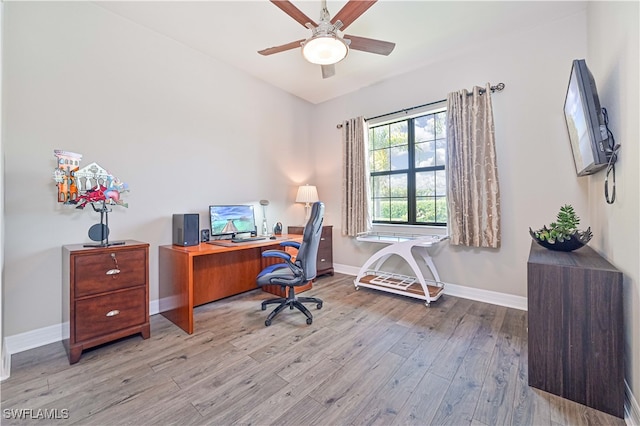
[186, 229]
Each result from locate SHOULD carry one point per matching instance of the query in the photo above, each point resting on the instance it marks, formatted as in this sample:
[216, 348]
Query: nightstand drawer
[325, 253]
[323, 264]
[103, 272]
[104, 314]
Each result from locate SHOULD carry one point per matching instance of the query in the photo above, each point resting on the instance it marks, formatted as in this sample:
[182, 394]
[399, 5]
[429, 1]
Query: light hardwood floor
[368, 358]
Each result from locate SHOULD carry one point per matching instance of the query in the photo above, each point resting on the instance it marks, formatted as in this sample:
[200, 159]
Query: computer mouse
[273, 237]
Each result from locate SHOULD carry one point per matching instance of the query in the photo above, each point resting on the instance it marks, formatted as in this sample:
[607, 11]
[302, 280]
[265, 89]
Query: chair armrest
[277, 253]
[293, 244]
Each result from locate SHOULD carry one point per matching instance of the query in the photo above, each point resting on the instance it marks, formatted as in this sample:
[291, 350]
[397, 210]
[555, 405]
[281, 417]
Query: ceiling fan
[326, 46]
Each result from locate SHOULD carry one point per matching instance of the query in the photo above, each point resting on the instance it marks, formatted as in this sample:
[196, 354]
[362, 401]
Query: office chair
[291, 274]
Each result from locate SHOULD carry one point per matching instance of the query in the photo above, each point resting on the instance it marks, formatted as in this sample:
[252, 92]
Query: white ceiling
[424, 32]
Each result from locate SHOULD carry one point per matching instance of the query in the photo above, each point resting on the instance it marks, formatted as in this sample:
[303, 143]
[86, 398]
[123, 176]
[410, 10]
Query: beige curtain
[355, 180]
[473, 195]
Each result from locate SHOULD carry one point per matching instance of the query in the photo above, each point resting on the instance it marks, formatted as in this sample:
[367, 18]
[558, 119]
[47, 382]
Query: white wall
[183, 130]
[613, 58]
[535, 165]
[5, 358]
[178, 127]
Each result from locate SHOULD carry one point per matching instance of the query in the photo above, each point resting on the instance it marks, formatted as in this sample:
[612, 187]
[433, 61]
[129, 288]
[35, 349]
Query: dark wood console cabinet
[105, 294]
[325, 249]
[576, 327]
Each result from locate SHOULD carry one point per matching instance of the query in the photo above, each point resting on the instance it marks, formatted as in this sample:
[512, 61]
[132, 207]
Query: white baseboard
[487, 296]
[34, 338]
[154, 307]
[631, 407]
[5, 367]
[45, 335]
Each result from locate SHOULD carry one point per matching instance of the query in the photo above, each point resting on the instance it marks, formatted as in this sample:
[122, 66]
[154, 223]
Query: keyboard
[247, 240]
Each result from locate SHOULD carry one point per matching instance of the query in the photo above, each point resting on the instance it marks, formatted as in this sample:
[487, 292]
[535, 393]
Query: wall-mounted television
[585, 122]
[229, 220]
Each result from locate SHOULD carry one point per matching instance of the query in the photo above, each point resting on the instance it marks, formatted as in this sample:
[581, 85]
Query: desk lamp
[307, 194]
[265, 227]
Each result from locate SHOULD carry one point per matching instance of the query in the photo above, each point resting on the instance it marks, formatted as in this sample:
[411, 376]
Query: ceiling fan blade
[282, 48]
[288, 8]
[328, 71]
[370, 45]
[352, 11]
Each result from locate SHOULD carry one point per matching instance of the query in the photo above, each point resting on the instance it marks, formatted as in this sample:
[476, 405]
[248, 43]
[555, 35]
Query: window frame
[411, 171]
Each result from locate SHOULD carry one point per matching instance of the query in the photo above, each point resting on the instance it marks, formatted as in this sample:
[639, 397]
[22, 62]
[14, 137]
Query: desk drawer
[102, 272]
[100, 315]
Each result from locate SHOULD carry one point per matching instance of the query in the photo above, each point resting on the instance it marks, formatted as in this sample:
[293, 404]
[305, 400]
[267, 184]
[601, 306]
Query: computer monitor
[229, 220]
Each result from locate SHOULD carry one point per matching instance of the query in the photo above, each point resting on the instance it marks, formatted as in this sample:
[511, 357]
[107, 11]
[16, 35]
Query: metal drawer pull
[113, 313]
[113, 271]
[322, 260]
[321, 239]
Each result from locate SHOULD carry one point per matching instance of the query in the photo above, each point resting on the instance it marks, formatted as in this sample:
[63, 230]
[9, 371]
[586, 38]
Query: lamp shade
[324, 50]
[307, 194]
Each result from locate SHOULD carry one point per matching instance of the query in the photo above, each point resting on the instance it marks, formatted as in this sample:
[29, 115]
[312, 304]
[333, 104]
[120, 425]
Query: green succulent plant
[561, 230]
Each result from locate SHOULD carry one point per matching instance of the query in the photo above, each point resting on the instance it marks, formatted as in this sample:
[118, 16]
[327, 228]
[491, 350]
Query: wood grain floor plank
[459, 402]
[382, 408]
[530, 405]
[368, 358]
[306, 412]
[340, 381]
[271, 410]
[420, 407]
[495, 405]
[107, 395]
[353, 393]
[491, 319]
[121, 411]
[421, 324]
[453, 352]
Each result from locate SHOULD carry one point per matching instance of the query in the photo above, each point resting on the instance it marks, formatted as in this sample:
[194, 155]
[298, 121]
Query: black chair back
[307, 255]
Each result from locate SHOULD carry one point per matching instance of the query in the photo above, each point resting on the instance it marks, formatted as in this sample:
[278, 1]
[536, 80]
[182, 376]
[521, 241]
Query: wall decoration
[93, 185]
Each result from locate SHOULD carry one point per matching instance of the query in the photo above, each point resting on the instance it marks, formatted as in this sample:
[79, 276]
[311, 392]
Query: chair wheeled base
[291, 301]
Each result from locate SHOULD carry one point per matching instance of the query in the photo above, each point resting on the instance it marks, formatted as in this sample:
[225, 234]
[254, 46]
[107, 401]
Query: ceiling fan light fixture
[325, 49]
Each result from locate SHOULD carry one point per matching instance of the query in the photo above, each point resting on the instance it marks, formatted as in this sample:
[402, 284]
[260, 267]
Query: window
[406, 162]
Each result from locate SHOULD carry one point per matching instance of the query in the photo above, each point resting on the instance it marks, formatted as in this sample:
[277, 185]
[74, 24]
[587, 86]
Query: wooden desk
[192, 276]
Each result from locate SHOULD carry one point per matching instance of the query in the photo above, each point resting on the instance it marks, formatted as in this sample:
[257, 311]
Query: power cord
[612, 153]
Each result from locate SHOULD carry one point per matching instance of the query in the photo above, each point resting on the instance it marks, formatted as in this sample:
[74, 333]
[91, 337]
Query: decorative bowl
[577, 240]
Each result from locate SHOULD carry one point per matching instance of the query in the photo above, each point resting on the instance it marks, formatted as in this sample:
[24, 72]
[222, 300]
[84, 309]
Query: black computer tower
[186, 229]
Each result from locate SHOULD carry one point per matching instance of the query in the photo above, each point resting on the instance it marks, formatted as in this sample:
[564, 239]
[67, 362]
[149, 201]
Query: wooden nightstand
[325, 249]
[105, 294]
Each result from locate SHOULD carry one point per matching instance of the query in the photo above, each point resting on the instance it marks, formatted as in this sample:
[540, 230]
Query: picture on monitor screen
[231, 219]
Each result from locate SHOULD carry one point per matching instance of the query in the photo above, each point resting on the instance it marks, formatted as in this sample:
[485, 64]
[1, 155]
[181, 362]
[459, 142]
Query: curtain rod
[497, 88]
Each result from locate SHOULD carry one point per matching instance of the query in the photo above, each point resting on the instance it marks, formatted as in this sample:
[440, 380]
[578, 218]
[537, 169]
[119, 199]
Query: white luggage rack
[401, 245]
